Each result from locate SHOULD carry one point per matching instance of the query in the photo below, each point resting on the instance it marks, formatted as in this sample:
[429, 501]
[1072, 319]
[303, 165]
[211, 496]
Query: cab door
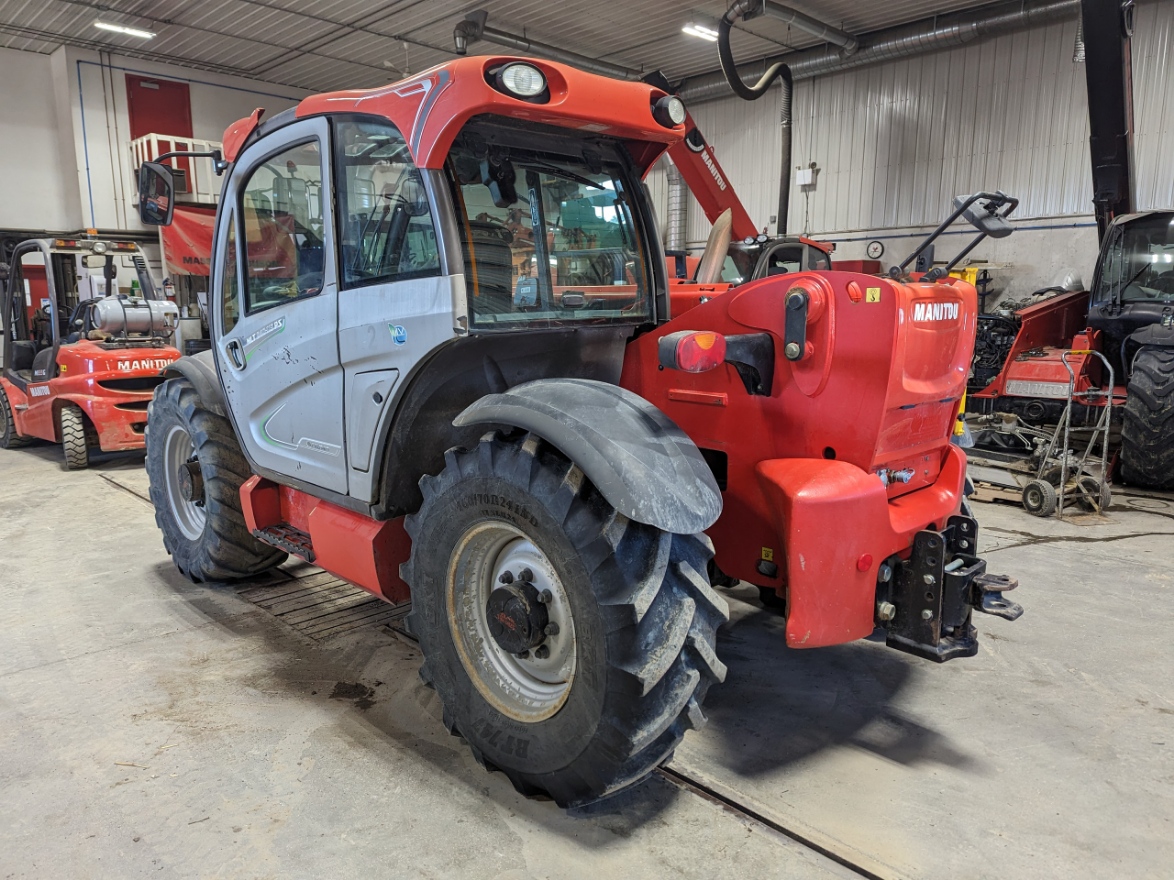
[277, 308]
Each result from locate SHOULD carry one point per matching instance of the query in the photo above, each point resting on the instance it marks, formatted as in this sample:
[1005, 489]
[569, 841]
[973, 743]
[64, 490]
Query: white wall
[97, 87]
[33, 194]
[895, 142]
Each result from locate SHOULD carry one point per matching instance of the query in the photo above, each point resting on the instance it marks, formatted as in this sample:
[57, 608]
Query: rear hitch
[928, 603]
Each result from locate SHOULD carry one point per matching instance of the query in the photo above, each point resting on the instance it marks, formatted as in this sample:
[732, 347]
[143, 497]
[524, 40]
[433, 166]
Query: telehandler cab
[440, 312]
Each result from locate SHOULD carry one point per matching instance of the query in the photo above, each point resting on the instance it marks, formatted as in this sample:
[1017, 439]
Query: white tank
[115, 315]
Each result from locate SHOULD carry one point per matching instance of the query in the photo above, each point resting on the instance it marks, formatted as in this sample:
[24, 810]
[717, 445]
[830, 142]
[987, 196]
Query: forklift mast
[1106, 27]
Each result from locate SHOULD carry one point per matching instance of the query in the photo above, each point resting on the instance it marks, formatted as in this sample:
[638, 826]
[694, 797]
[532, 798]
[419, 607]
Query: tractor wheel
[75, 438]
[570, 646]
[1147, 435]
[196, 470]
[1039, 498]
[9, 439]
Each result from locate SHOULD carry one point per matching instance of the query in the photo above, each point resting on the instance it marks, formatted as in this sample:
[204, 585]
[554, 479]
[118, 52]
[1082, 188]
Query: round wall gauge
[875, 250]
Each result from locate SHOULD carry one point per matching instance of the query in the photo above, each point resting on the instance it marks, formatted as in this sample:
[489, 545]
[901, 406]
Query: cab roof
[432, 107]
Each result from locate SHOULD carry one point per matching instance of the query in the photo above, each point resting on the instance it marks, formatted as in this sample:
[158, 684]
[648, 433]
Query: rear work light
[693, 351]
[669, 111]
[523, 81]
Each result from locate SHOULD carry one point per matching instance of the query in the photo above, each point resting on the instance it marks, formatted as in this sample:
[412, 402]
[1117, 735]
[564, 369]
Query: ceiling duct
[918, 38]
[473, 29]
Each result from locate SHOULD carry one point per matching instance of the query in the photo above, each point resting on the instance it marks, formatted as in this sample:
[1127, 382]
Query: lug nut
[523, 655]
[551, 629]
[542, 652]
[507, 577]
[545, 596]
[527, 576]
[929, 579]
[927, 614]
[886, 610]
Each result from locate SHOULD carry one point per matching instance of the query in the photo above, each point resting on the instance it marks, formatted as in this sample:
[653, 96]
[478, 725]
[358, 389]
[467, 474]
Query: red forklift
[79, 355]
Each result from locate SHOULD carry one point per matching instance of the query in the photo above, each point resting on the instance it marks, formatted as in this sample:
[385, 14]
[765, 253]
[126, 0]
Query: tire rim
[529, 687]
[178, 450]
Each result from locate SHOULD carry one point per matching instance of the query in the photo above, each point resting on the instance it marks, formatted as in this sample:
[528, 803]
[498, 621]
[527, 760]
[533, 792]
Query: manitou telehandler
[78, 358]
[440, 313]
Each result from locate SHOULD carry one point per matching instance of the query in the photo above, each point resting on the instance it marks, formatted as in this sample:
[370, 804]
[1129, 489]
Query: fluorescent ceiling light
[123, 29]
[701, 31]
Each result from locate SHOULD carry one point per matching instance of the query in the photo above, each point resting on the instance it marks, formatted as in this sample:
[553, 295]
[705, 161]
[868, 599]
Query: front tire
[1147, 435]
[9, 438]
[597, 704]
[1039, 498]
[75, 438]
[196, 470]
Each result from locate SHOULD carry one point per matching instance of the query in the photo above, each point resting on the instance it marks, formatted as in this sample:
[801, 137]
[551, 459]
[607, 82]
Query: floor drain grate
[318, 604]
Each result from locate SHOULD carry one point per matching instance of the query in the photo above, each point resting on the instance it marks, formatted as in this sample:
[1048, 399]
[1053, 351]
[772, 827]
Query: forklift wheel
[570, 646]
[9, 439]
[74, 438]
[196, 469]
[1039, 498]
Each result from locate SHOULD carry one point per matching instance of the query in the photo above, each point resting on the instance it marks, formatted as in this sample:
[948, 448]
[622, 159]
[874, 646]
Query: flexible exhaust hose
[746, 92]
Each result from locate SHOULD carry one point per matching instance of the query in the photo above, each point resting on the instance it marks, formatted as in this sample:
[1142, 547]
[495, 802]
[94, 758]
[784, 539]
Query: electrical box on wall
[805, 177]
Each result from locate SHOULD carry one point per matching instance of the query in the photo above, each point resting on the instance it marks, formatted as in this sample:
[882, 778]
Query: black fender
[200, 370]
[642, 463]
[1154, 336]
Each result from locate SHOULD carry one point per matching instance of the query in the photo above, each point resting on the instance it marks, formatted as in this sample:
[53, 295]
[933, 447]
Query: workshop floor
[149, 726]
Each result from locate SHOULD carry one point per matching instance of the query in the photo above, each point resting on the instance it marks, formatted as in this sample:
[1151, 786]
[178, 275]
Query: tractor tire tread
[226, 551]
[1147, 432]
[9, 439]
[660, 613]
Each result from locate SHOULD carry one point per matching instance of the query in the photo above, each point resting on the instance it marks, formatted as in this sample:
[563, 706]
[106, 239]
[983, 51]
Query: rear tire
[74, 438]
[9, 439]
[612, 702]
[1039, 498]
[1147, 435]
[206, 533]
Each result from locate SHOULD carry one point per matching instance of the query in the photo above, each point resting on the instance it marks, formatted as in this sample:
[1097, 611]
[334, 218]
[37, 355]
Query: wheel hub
[191, 482]
[517, 616]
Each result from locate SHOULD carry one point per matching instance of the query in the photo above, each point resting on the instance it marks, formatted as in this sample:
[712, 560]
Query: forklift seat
[23, 352]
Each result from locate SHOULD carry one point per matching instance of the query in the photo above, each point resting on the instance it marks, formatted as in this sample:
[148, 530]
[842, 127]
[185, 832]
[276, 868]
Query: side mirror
[156, 194]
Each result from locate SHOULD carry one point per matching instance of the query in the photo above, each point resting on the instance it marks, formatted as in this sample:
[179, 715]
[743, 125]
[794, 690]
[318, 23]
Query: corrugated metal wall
[895, 142]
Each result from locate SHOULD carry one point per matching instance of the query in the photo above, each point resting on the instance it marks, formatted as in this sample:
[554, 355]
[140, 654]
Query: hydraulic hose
[746, 92]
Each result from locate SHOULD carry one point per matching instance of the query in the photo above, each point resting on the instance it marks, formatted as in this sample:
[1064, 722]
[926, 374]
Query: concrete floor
[149, 726]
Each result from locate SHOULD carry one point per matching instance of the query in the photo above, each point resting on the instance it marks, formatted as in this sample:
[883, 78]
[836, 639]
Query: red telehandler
[446, 368]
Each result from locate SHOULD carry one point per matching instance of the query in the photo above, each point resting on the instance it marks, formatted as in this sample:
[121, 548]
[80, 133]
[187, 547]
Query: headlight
[99, 247]
[523, 80]
[669, 111]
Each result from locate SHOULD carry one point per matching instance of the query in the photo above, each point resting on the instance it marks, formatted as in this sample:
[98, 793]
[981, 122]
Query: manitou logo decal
[144, 364]
[39, 390]
[935, 311]
[717, 175]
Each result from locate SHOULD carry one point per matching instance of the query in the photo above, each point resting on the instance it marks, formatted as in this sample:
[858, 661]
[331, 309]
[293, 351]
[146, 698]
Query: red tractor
[78, 367]
[445, 367]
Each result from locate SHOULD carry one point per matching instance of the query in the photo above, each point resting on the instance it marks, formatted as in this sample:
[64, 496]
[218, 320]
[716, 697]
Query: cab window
[229, 289]
[281, 210]
[385, 228]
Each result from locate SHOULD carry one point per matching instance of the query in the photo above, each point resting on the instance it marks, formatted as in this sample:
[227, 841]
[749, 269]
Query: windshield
[1139, 264]
[548, 238]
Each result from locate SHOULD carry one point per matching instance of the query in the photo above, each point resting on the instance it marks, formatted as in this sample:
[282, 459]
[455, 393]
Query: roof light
[700, 31]
[124, 29]
[669, 111]
[692, 351]
[523, 80]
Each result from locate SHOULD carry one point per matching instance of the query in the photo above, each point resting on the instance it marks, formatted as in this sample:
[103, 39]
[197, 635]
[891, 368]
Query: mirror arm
[218, 163]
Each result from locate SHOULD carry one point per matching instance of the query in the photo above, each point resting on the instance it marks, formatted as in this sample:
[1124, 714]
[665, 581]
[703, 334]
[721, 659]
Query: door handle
[236, 353]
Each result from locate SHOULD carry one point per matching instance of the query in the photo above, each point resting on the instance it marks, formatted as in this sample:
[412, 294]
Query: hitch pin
[955, 565]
